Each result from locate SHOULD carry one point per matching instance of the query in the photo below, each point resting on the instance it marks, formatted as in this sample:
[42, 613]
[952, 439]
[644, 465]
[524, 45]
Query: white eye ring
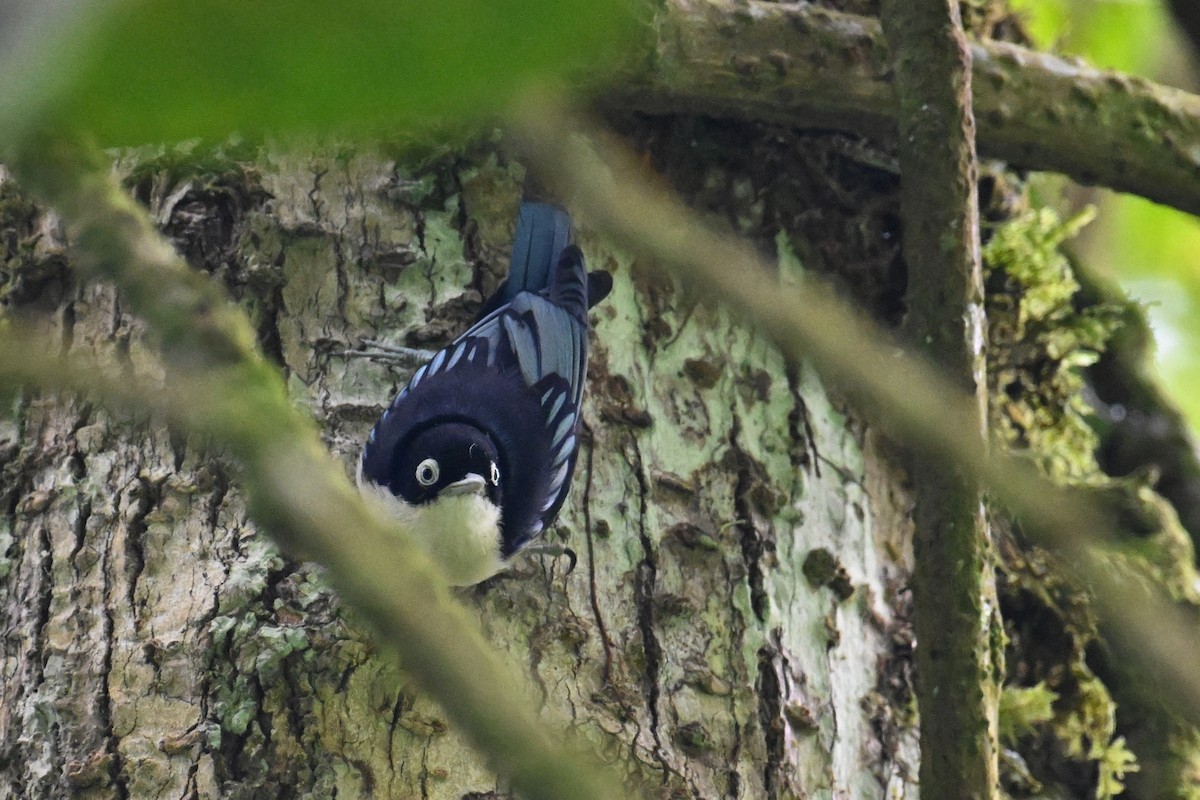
[495, 474]
[427, 472]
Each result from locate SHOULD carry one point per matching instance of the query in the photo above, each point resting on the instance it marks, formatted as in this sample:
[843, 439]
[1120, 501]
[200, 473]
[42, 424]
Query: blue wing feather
[535, 326]
[546, 332]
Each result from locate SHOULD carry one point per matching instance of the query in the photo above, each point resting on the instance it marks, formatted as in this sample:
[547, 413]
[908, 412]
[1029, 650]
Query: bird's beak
[472, 484]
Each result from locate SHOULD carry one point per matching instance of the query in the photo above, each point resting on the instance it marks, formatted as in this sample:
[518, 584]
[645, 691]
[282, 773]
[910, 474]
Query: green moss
[1186, 743]
[1022, 709]
[693, 738]
[1162, 555]
[1042, 332]
[31, 270]
[188, 160]
[1114, 762]
[16, 210]
[1038, 339]
[1088, 728]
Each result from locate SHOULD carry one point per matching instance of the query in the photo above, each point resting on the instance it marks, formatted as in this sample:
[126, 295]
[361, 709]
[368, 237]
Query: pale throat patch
[460, 532]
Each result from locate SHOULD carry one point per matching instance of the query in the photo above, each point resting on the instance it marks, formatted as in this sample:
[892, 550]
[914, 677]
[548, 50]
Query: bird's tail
[568, 288]
[545, 261]
[543, 231]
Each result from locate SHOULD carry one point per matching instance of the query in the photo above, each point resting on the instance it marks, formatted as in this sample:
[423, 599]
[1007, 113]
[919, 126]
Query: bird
[476, 453]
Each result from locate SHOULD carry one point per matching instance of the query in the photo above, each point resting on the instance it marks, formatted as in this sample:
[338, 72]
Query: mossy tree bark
[954, 588]
[737, 625]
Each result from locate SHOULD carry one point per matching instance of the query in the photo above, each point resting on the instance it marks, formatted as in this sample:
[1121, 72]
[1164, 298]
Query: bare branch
[219, 384]
[603, 185]
[954, 587]
[806, 66]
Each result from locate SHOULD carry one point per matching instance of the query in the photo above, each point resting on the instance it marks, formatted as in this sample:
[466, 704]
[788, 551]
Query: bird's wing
[562, 420]
[470, 348]
[543, 334]
[532, 334]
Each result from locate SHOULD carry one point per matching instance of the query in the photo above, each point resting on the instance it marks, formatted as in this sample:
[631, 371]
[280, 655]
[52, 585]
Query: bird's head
[444, 484]
[444, 461]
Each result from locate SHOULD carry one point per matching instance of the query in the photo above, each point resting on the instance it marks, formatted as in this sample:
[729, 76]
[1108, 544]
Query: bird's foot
[554, 550]
[396, 354]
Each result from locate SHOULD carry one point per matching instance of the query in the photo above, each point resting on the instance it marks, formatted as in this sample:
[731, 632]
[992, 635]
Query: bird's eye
[495, 474]
[427, 472]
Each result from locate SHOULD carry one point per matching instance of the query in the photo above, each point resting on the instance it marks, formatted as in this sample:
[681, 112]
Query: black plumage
[507, 392]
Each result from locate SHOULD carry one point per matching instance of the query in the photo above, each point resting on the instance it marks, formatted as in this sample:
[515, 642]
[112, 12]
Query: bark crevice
[104, 706]
[770, 715]
[645, 598]
[588, 443]
[146, 495]
[751, 542]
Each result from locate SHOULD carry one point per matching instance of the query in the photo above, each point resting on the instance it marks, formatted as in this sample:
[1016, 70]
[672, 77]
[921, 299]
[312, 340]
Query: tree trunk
[736, 626]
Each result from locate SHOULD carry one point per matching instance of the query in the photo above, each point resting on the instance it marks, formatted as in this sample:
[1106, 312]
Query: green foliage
[1038, 341]
[1152, 249]
[162, 71]
[1155, 251]
[1041, 334]
[1187, 742]
[1125, 35]
[1022, 708]
[1115, 762]
[1088, 729]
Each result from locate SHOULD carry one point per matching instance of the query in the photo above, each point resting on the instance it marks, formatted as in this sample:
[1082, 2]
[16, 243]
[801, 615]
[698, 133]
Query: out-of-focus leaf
[1045, 20]
[1155, 251]
[153, 70]
[1124, 35]
[1127, 35]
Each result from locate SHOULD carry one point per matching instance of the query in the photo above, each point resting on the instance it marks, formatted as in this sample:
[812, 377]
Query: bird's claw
[380, 351]
[555, 550]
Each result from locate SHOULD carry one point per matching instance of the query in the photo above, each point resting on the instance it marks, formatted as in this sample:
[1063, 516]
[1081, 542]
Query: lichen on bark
[158, 646]
[686, 647]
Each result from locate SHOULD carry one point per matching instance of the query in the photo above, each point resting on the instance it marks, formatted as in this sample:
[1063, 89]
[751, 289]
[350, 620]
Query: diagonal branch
[218, 384]
[603, 185]
[806, 66]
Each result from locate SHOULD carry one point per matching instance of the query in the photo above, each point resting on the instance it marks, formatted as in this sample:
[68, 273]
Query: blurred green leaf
[1045, 20]
[163, 70]
[1125, 35]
